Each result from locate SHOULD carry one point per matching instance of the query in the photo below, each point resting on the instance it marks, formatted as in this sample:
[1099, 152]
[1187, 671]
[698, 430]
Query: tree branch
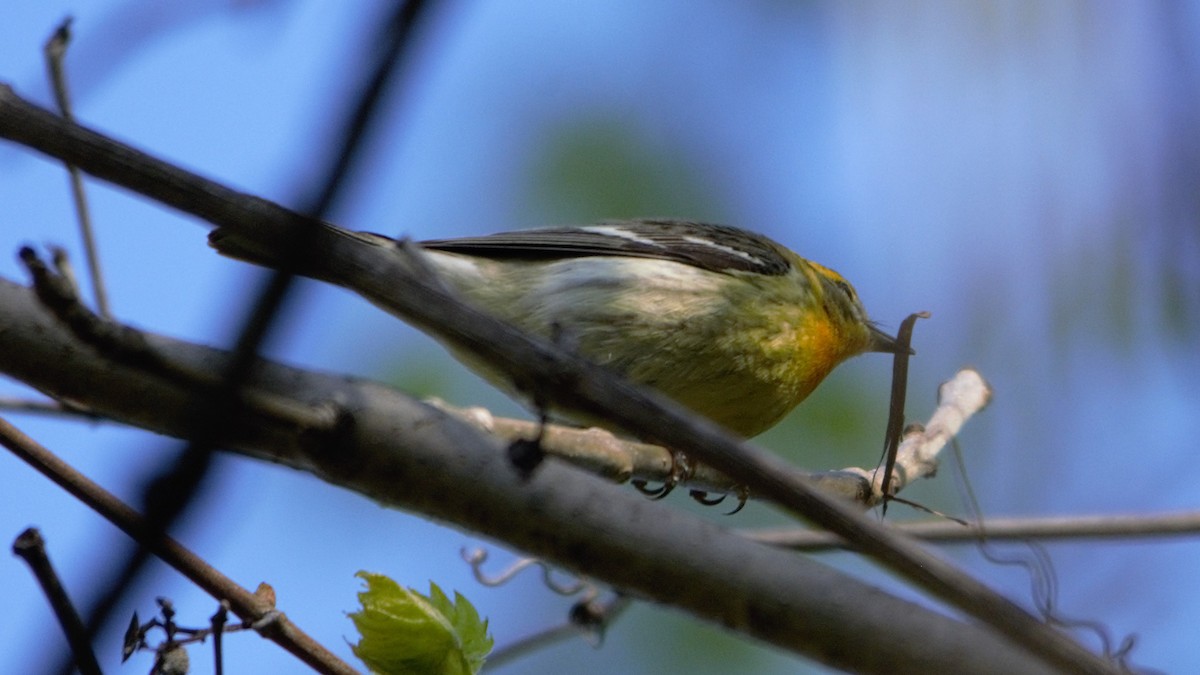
[603, 453]
[546, 372]
[408, 455]
[1006, 529]
[276, 627]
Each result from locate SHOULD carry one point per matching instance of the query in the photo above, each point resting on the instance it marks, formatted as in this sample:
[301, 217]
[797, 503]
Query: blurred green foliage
[598, 169]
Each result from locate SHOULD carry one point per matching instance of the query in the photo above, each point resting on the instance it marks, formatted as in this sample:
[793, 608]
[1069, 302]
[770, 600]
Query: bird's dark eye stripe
[845, 286]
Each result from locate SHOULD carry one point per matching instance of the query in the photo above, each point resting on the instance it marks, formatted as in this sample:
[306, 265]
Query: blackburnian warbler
[727, 322]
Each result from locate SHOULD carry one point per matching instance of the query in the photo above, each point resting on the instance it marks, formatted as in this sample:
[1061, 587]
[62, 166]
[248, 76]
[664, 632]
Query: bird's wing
[717, 248]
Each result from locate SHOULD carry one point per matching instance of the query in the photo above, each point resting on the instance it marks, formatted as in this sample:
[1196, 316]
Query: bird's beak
[882, 342]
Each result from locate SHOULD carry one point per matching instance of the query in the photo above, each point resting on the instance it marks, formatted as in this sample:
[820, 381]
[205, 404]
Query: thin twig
[959, 398]
[243, 602]
[51, 408]
[31, 548]
[55, 51]
[128, 346]
[218, 632]
[891, 442]
[1118, 526]
[600, 614]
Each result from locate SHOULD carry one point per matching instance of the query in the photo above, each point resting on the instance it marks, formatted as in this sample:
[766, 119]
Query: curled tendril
[579, 586]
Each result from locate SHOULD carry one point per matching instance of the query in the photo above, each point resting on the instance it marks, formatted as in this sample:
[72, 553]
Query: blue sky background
[1025, 171]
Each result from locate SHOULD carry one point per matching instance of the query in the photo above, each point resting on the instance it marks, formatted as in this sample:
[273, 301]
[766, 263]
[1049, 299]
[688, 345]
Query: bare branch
[31, 548]
[246, 604]
[1114, 526]
[545, 371]
[47, 407]
[55, 50]
[590, 617]
[409, 455]
[959, 398]
[606, 454]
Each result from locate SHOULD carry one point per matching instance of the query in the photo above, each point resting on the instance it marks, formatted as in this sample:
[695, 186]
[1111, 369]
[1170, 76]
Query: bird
[727, 322]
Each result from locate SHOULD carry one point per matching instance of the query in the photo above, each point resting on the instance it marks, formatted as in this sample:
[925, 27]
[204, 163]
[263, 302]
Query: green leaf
[404, 632]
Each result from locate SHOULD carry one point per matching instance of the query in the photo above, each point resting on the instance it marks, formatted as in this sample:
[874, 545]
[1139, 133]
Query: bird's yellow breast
[742, 354]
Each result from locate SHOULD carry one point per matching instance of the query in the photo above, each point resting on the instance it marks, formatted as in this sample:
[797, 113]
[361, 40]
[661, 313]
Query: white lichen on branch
[605, 454]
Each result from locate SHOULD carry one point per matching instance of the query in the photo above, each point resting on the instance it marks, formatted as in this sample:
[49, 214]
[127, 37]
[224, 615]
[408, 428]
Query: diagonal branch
[1057, 528]
[408, 455]
[545, 371]
[249, 606]
[603, 453]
